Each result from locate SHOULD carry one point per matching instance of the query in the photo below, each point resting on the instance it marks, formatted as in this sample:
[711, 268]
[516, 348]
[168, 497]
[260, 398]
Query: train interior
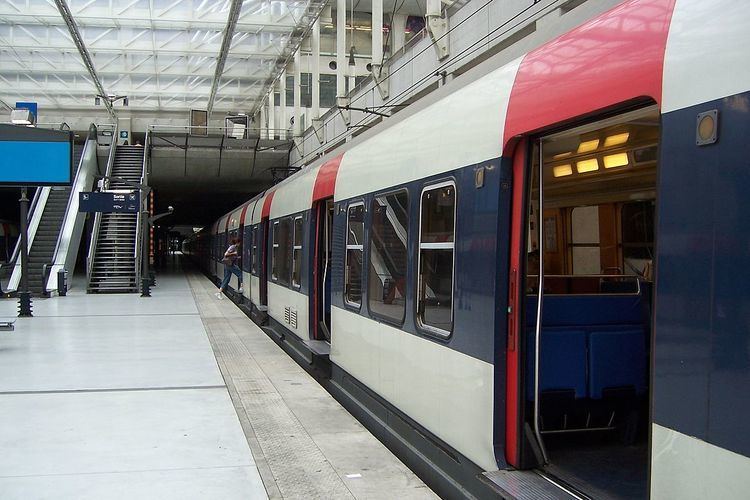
[597, 234]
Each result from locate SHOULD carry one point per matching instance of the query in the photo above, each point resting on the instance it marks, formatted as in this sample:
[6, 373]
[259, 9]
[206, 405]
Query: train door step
[319, 347]
[528, 485]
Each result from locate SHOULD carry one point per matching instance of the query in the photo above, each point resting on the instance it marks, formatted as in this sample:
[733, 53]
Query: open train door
[523, 449]
[322, 211]
[321, 296]
[263, 244]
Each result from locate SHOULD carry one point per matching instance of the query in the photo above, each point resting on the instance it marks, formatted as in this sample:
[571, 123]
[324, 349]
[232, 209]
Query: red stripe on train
[615, 58]
[325, 182]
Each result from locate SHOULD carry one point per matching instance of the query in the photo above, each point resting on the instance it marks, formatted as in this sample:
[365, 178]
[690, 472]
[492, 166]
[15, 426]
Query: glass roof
[161, 54]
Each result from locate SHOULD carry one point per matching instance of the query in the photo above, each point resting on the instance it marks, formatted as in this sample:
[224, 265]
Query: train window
[275, 254]
[585, 244]
[637, 222]
[254, 251]
[388, 256]
[297, 253]
[355, 234]
[436, 258]
[284, 248]
[247, 248]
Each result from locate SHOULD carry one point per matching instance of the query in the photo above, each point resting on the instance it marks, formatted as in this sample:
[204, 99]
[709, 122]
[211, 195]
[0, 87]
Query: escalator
[55, 226]
[42, 250]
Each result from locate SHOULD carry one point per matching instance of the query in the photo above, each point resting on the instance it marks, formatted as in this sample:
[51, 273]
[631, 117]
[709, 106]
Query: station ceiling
[162, 54]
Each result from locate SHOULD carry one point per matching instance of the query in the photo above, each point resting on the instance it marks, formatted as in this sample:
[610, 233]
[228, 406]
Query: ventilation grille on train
[290, 317]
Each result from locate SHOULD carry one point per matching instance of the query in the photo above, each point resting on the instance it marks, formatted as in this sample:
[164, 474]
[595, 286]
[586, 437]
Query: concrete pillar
[297, 94]
[341, 66]
[398, 33]
[272, 113]
[283, 125]
[315, 113]
[377, 32]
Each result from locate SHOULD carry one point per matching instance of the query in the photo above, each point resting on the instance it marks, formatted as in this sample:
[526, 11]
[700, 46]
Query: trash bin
[62, 282]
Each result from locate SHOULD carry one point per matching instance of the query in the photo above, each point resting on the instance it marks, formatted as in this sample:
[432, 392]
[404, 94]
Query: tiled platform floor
[117, 396]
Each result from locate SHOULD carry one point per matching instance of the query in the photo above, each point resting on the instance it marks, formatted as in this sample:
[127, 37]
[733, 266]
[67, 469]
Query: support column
[377, 33]
[341, 66]
[398, 32]
[297, 131]
[315, 112]
[272, 113]
[283, 125]
[269, 112]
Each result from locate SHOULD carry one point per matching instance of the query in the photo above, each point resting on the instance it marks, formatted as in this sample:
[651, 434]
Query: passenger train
[539, 271]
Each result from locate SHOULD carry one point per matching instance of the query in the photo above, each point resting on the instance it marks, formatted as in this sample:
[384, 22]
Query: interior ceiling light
[561, 155]
[616, 160]
[588, 146]
[562, 170]
[617, 139]
[589, 165]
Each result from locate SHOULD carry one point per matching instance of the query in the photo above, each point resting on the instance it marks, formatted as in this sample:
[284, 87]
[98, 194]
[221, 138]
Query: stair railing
[98, 216]
[140, 248]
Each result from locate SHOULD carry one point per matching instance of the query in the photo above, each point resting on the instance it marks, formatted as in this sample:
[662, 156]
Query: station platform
[175, 396]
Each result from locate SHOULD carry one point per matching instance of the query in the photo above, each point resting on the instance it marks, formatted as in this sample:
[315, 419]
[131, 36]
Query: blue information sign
[35, 157]
[109, 202]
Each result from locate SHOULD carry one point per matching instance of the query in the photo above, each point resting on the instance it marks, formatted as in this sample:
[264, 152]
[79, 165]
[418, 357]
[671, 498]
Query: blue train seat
[563, 362]
[617, 359]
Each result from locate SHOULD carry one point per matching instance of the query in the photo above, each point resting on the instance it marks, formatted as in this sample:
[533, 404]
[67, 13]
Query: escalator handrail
[32, 207]
[71, 210]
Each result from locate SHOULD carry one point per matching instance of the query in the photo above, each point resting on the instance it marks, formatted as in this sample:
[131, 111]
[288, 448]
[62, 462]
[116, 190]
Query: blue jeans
[229, 270]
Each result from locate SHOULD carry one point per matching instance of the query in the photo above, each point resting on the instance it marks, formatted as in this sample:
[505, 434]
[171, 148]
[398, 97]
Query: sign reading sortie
[108, 201]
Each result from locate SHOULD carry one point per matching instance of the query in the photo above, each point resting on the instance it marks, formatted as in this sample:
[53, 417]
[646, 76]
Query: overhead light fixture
[617, 139]
[561, 155]
[590, 165]
[616, 160]
[562, 170]
[22, 116]
[588, 146]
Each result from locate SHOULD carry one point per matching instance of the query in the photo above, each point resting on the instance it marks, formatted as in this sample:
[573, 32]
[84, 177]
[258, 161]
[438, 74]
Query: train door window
[247, 247]
[284, 249]
[254, 254]
[388, 256]
[275, 253]
[297, 253]
[436, 258]
[585, 248]
[637, 222]
[355, 234]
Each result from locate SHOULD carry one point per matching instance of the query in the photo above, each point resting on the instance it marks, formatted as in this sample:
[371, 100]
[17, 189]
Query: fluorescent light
[562, 170]
[617, 139]
[588, 146]
[590, 165]
[616, 160]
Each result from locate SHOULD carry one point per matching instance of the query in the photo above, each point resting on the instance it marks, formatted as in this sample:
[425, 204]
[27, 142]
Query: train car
[539, 266]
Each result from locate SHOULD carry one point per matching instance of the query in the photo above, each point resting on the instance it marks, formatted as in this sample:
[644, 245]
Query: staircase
[42, 250]
[114, 267]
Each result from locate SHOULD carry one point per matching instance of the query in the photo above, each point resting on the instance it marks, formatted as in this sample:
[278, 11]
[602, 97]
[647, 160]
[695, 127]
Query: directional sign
[109, 202]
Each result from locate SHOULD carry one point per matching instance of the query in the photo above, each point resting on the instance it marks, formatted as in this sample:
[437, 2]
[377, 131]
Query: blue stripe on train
[702, 326]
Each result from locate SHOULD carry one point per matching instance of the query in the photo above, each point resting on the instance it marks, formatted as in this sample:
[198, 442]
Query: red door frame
[514, 399]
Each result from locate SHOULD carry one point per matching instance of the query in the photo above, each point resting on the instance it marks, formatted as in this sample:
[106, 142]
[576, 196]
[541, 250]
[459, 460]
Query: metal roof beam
[234, 14]
[76, 35]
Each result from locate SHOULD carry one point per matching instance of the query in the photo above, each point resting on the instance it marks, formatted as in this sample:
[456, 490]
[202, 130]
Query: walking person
[231, 257]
